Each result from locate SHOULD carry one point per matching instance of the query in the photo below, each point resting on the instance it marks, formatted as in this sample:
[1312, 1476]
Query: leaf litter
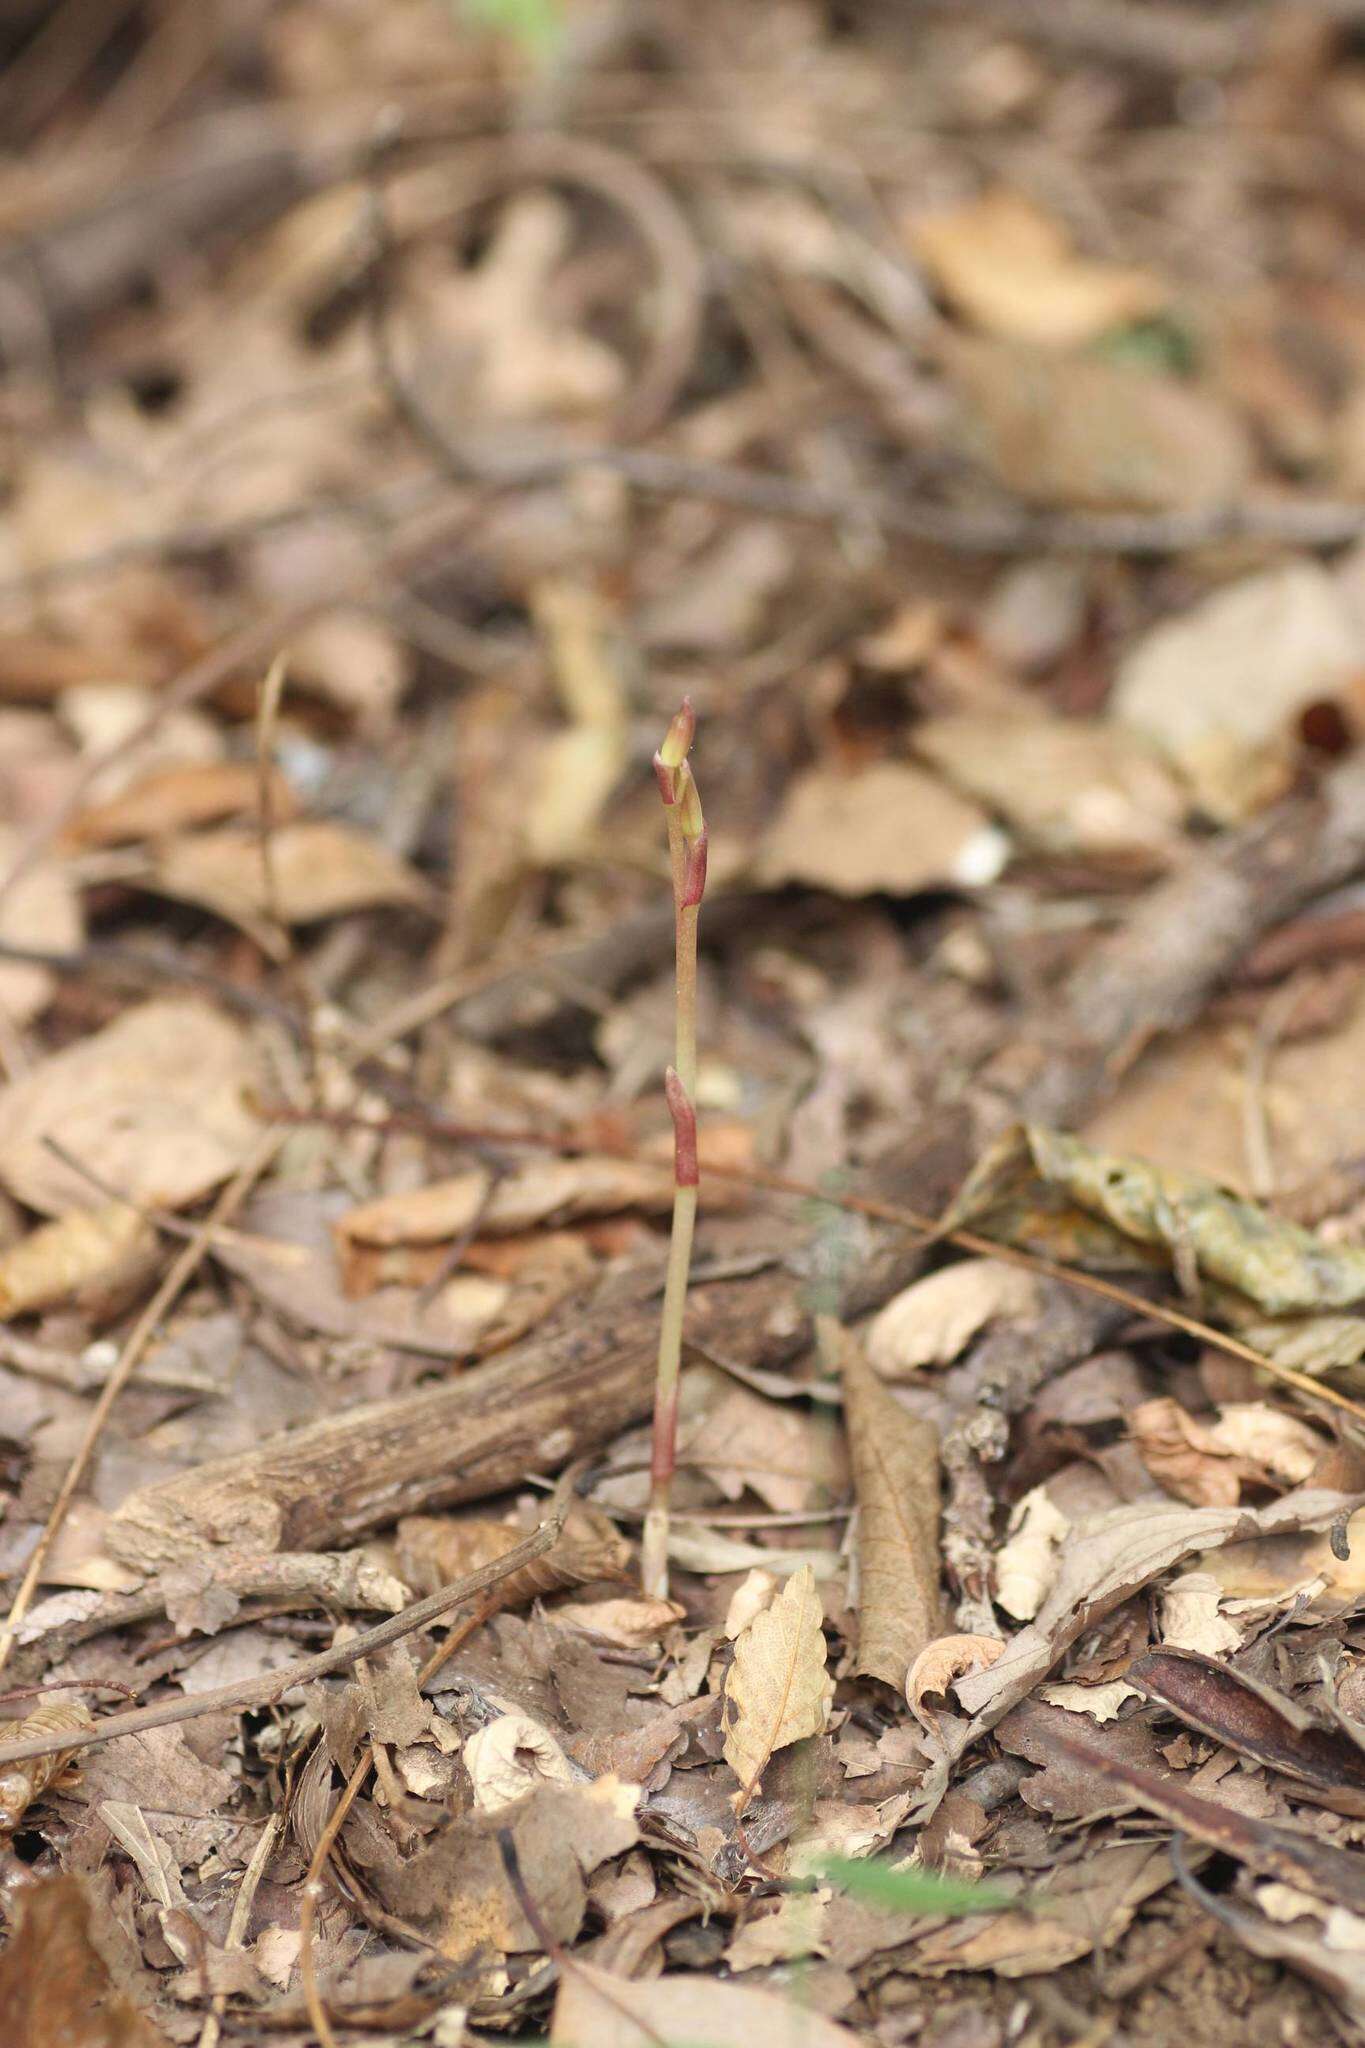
[963, 414]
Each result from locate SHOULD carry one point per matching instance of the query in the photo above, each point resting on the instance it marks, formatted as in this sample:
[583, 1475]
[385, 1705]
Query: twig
[264, 1691]
[241, 1916]
[312, 1892]
[134, 1345]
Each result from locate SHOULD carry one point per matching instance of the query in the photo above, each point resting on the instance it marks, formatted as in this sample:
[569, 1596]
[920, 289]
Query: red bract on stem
[687, 862]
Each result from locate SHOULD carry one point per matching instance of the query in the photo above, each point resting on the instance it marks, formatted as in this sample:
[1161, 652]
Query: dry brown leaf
[509, 1756]
[1208, 1464]
[757, 1590]
[41, 909]
[1101, 1702]
[153, 1104]
[90, 1255]
[317, 869]
[940, 1663]
[895, 1458]
[1190, 1619]
[1219, 688]
[1013, 271]
[745, 1441]
[611, 2012]
[435, 1550]
[1064, 784]
[1105, 1558]
[22, 1783]
[1079, 431]
[55, 1988]
[626, 1623]
[1026, 1566]
[932, 1321]
[794, 1929]
[546, 1191]
[778, 1690]
[180, 799]
[888, 827]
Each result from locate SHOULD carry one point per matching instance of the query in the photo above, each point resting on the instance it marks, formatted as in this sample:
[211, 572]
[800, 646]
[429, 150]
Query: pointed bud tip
[678, 738]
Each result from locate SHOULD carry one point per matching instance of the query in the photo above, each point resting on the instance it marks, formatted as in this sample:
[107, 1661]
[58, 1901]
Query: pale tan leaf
[887, 827]
[317, 869]
[794, 1929]
[1066, 784]
[40, 908]
[509, 1756]
[743, 1441]
[932, 1321]
[1190, 1619]
[180, 798]
[153, 1104]
[88, 1252]
[778, 1690]
[1101, 1702]
[1026, 1566]
[1209, 1463]
[941, 1662]
[629, 1624]
[757, 1590]
[1011, 268]
[596, 2010]
[896, 1479]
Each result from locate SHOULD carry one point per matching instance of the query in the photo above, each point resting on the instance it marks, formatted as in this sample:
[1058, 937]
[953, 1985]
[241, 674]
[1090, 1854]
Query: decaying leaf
[89, 1254]
[435, 1550]
[1065, 784]
[626, 1623]
[1101, 1702]
[612, 2012]
[888, 827]
[1012, 269]
[153, 1104]
[1208, 1464]
[940, 1663]
[508, 1757]
[55, 1987]
[1190, 1619]
[1104, 1559]
[1026, 1565]
[932, 1321]
[778, 1690]
[757, 1590]
[22, 1783]
[896, 1478]
[1278, 1265]
[742, 1440]
[316, 869]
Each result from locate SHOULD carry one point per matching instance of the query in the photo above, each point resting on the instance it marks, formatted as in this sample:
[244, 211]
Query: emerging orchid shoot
[687, 859]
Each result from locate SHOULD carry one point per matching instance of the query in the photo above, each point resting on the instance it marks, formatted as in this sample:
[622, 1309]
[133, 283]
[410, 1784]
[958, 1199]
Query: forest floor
[404, 409]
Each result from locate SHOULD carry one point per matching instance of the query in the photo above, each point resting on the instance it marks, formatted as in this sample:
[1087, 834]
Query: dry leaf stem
[687, 861]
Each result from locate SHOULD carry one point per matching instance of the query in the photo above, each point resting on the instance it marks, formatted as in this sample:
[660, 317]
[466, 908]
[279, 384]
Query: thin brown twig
[312, 1892]
[265, 1691]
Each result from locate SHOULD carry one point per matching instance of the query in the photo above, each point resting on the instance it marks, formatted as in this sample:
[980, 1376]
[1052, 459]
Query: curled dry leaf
[757, 1590]
[546, 1191]
[316, 869]
[435, 1550]
[933, 1321]
[508, 1757]
[896, 1478]
[153, 1104]
[940, 1663]
[1190, 1619]
[1011, 268]
[87, 1257]
[625, 1623]
[1207, 1464]
[1027, 1564]
[612, 2012]
[778, 1690]
[22, 1783]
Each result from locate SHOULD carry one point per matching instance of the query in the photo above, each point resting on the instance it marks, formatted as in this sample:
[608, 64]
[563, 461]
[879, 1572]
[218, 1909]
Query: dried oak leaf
[153, 1104]
[612, 2012]
[778, 1690]
[896, 1478]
